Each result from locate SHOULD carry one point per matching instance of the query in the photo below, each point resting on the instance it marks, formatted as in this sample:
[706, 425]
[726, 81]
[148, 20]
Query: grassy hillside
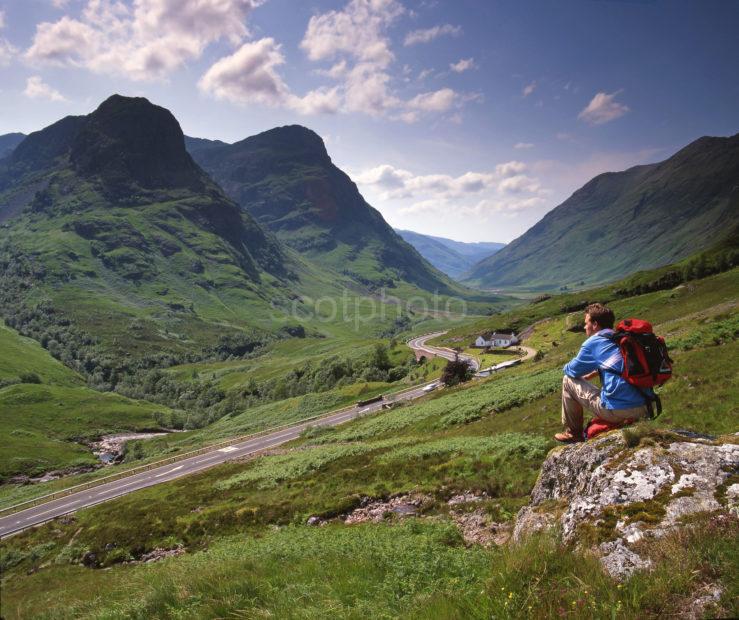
[46, 411]
[248, 550]
[621, 222]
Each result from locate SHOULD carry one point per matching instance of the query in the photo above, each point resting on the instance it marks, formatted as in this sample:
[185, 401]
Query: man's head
[597, 317]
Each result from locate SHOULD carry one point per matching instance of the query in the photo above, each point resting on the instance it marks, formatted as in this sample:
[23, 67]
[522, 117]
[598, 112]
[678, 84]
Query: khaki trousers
[578, 394]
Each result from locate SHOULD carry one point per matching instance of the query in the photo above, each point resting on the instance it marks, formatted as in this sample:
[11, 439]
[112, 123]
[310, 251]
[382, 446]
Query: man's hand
[590, 375]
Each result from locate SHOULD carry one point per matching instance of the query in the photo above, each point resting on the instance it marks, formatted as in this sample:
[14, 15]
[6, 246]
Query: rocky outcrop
[609, 495]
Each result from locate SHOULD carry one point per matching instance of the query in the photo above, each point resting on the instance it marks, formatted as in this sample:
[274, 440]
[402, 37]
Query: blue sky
[465, 119]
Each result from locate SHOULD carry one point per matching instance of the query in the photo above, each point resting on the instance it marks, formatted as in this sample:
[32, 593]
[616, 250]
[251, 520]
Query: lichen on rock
[609, 496]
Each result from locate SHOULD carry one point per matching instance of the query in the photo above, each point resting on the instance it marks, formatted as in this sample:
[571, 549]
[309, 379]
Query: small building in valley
[494, 339]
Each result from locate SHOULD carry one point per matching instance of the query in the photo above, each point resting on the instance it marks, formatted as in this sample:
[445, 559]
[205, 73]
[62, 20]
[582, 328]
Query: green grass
[42, 425]
[23, 356]
[488, 436]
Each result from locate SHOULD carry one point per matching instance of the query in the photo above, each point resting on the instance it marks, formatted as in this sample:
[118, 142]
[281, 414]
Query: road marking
[52, 510]
[118, 488]
[227, 449]
[168, 472]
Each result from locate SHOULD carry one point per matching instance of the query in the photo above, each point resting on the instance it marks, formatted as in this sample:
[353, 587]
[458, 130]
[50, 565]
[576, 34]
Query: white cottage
[494, 339]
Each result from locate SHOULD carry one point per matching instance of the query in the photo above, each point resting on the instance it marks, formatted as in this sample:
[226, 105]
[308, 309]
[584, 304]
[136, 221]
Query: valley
[247, 297]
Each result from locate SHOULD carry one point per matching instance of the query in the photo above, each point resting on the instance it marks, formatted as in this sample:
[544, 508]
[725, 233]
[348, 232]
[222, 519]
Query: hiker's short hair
[601, 315]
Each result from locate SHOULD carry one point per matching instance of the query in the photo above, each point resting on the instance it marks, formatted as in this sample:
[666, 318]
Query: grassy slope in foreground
[488, 436]
[43, 423]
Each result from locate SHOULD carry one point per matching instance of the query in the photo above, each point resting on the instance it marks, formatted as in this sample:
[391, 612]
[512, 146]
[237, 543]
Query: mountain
[110, 219]
[8, 142]
[449, 256]
[286, 180]
[621, 222]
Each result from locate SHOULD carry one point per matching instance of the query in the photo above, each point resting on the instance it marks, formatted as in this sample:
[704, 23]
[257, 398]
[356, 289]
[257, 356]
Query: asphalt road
[45, 512]
[419, 344]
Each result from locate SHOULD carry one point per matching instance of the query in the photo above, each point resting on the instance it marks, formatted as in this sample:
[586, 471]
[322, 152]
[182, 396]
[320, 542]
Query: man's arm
[583, 364]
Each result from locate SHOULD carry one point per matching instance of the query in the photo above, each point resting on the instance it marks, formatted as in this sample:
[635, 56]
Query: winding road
[14, 520]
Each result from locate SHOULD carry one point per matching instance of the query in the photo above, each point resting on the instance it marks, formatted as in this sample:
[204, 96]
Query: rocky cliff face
[618, 492]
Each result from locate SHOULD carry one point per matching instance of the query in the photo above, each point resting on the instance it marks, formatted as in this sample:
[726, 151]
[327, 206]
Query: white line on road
[169, 472]
[38, 514]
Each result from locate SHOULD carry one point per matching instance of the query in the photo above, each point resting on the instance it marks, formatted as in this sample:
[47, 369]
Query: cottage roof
[497, 336]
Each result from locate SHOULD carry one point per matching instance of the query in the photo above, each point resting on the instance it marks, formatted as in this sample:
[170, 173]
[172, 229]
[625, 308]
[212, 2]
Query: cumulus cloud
[528, 89]
[429, 34]
[510, 168]
[249, 75]
[465, 64]
[37, 89]
[357, 30]
[437, 101]
[145, 41]
[518, 184]
[602, 109]
[7, 51]
[354, 40]
[523, 145]
[504, 189]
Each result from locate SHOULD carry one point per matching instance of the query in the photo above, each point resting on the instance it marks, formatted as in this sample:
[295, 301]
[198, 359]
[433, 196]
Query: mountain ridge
[451, 257]
[621, 222]
[286, 180]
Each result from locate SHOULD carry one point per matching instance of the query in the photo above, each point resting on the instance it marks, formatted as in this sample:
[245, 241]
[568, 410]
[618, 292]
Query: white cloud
[59, 4]
[603, 109]
[424, 74]
[319, 101]
[7, 51]
[2, 20]
[37, 89]
[429, 34]
[523, 145]
[528, 89]
[144, 42]
[437, 101]
[248, 75]
[504, 190]
[465, 64]
[518, 184]
[510, 168]
[356, 30]
[354, 40]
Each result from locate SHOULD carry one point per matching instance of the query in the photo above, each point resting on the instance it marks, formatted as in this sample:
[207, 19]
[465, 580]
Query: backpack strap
[649, 400]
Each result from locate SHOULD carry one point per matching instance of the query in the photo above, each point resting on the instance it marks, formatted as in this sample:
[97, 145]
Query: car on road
[431, 387]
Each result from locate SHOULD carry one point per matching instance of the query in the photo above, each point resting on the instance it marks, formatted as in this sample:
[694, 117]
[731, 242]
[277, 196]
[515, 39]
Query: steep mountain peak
[289, 141]
[130, 141]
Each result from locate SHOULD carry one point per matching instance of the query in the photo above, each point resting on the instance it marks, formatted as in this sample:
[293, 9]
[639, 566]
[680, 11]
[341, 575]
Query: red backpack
[646, 361]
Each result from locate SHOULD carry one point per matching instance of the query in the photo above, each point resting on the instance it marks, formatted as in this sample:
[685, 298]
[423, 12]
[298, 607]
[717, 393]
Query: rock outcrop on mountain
[620, 491]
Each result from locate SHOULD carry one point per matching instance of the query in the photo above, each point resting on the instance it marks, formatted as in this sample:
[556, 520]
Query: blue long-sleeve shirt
[601, 354]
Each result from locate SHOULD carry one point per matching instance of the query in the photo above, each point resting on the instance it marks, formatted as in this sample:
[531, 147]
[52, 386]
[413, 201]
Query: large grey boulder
[606, 494]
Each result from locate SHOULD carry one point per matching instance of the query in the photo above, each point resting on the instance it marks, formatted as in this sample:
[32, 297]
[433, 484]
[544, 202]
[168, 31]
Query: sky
[466, 119]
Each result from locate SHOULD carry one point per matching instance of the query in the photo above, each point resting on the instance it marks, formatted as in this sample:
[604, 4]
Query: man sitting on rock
[618, 401]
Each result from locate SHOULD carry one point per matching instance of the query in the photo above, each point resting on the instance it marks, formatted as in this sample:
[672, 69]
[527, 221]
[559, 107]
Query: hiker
[618, 401]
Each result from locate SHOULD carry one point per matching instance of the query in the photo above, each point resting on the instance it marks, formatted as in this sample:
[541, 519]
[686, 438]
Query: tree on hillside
[456, 371]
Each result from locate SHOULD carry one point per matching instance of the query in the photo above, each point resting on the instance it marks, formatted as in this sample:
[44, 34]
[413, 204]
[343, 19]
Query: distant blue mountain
[451, 257]
[8, 142]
